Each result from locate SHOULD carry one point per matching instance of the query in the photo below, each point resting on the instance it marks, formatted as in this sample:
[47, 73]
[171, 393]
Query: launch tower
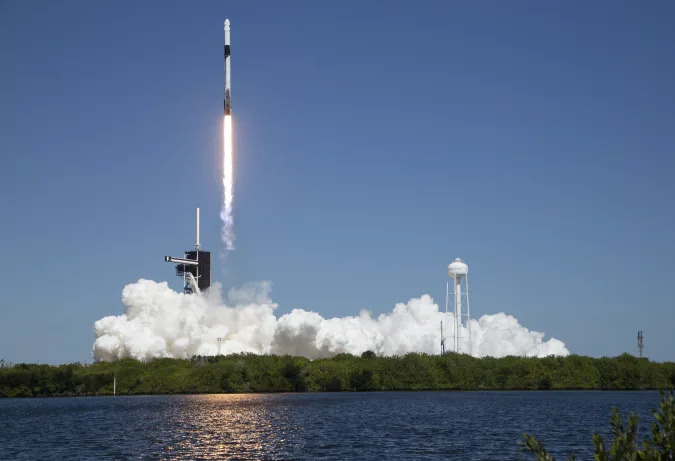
[195, 267]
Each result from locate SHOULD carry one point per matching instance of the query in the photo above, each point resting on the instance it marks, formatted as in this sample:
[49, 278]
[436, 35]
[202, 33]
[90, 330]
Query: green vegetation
[660, 445]
[344, 372]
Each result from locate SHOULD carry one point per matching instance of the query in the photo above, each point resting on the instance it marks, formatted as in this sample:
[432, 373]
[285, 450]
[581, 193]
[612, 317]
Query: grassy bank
[344, 372]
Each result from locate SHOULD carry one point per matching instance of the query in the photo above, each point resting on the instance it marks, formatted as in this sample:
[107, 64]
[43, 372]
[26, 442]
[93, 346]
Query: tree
[659, 446]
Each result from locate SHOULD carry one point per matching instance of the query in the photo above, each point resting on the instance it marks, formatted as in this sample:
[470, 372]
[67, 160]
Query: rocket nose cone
[227, 22]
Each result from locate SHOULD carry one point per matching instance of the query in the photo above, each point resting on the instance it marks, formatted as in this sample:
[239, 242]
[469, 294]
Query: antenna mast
[197, 246]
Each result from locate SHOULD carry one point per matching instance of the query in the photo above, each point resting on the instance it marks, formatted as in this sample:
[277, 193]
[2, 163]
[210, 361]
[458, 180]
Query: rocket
[228, 101]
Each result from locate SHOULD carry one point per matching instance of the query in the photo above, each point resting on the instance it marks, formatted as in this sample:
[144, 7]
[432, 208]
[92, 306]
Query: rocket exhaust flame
[228, 182]
[228, 167]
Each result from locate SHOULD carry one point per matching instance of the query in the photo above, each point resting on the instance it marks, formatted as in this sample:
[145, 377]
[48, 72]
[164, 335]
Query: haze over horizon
[372, 146]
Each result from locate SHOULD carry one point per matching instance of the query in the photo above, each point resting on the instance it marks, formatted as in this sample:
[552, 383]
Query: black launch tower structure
[195, 267]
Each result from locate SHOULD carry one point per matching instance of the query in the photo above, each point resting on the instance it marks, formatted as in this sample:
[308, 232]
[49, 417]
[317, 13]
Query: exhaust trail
[228, 160]
[228, 182]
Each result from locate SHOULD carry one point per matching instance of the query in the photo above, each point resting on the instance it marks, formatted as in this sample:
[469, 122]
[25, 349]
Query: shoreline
[262, 374]
[397, 391]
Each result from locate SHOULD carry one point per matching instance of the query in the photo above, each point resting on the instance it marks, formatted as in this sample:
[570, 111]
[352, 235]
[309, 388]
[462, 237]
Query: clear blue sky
[375, 142]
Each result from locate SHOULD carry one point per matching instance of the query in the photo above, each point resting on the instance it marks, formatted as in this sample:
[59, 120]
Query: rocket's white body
[228, 83]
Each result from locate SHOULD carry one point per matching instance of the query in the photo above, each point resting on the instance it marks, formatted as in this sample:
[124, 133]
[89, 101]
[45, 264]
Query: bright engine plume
[228, 182]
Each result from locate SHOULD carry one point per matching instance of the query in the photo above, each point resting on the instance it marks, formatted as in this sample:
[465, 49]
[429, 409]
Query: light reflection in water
[228, 426]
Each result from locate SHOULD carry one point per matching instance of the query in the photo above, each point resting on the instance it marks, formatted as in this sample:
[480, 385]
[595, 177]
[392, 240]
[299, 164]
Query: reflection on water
[441, 425]
[218, 426]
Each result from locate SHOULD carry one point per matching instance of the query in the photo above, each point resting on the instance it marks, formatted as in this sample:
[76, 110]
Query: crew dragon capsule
[228, 101]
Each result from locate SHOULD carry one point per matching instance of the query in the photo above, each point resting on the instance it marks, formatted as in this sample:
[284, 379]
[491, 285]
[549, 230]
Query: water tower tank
[458, 268]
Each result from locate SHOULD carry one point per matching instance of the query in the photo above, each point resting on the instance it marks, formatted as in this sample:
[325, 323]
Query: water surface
[394, 425]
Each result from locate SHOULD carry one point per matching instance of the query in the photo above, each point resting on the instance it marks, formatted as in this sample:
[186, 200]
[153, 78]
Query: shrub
[659, 446]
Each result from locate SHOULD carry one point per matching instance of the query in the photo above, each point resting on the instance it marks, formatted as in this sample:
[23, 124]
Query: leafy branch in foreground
[659, 446]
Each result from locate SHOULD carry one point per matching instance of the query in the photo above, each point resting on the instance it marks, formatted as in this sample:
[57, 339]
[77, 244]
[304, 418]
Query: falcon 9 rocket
[228, 101]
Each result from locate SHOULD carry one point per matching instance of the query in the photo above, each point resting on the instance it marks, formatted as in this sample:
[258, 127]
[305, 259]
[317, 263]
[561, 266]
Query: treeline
[344, 372]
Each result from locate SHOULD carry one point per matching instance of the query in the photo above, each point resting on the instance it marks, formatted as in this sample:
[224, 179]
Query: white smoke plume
[159, 322]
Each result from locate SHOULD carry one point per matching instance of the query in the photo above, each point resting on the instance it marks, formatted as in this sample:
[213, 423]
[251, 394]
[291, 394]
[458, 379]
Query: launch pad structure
[195, 267]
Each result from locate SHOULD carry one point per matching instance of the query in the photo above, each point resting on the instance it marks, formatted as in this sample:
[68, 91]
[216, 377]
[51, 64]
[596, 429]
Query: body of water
[379, 425]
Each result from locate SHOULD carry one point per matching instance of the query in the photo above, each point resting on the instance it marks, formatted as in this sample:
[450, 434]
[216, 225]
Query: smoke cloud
[159, 322]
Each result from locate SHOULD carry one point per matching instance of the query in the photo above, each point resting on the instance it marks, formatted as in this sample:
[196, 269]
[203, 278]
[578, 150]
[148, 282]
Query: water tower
[457, 299]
